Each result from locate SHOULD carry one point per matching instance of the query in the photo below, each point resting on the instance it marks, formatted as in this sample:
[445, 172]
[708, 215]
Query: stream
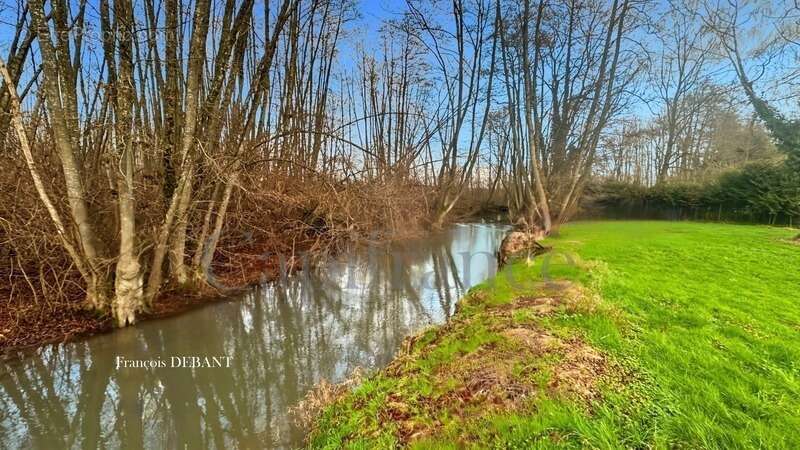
[254, 357]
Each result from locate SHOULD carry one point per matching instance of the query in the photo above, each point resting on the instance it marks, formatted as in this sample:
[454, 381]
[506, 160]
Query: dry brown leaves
[579, 371]
[498, 377]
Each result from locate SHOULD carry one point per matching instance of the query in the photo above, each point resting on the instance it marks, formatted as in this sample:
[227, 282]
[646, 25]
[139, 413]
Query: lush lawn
[698, 326]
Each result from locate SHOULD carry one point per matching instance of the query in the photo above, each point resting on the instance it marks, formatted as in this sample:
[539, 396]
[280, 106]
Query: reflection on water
[282, 340]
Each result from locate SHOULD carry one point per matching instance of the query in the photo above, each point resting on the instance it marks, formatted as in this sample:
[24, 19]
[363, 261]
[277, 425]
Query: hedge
[756, 193]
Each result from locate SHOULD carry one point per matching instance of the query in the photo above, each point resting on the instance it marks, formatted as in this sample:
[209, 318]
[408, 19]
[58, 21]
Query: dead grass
[517, 363]
[579, 371]
[323, 395]
[502, 379]
[552, 297]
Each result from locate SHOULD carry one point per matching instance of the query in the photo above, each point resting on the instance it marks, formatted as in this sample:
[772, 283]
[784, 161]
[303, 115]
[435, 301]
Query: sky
[366, 30]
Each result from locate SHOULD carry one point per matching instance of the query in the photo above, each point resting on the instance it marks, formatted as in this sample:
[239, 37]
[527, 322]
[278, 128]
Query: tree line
[137, 135]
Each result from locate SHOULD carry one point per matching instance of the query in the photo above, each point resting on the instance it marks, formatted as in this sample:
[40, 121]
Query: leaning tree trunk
[160, 248]
[197, 57]
[210, 247]
[57, 72]
[177, 251]
[22, 135]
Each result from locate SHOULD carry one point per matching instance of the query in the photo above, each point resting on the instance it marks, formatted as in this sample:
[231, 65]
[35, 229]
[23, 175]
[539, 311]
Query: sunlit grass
[703, 318]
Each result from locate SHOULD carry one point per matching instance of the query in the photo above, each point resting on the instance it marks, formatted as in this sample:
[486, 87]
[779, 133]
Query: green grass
[703, 320]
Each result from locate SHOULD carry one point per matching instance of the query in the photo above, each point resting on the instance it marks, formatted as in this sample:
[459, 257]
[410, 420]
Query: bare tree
[18, 52]
[565, 71]
[467, 71]
[679, 73]
[766, 49]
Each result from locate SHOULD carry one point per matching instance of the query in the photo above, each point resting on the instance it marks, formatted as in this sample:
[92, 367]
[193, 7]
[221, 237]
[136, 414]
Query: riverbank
[27, 323]
[30, 324]
[655, 334]
[354, 310]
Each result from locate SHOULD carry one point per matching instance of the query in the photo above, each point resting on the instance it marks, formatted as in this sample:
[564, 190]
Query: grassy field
[668, 335]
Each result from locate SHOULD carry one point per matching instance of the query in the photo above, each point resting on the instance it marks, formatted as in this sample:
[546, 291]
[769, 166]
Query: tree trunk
[211, 247]
[160, 248]
[201, 240]
[177, 251]
[197, 57]
[22, 135]
[128, 295]
[56, 71]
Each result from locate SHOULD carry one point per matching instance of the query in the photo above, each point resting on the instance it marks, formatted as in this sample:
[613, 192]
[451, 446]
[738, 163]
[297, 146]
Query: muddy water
[271, 347]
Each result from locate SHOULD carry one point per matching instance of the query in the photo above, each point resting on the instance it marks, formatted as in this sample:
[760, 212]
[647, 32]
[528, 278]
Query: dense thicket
[141, 140]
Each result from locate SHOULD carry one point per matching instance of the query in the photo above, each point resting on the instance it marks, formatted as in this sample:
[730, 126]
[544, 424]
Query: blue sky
[366, 31]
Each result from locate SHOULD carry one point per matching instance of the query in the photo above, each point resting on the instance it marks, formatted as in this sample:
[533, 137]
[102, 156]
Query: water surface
[281, 340]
